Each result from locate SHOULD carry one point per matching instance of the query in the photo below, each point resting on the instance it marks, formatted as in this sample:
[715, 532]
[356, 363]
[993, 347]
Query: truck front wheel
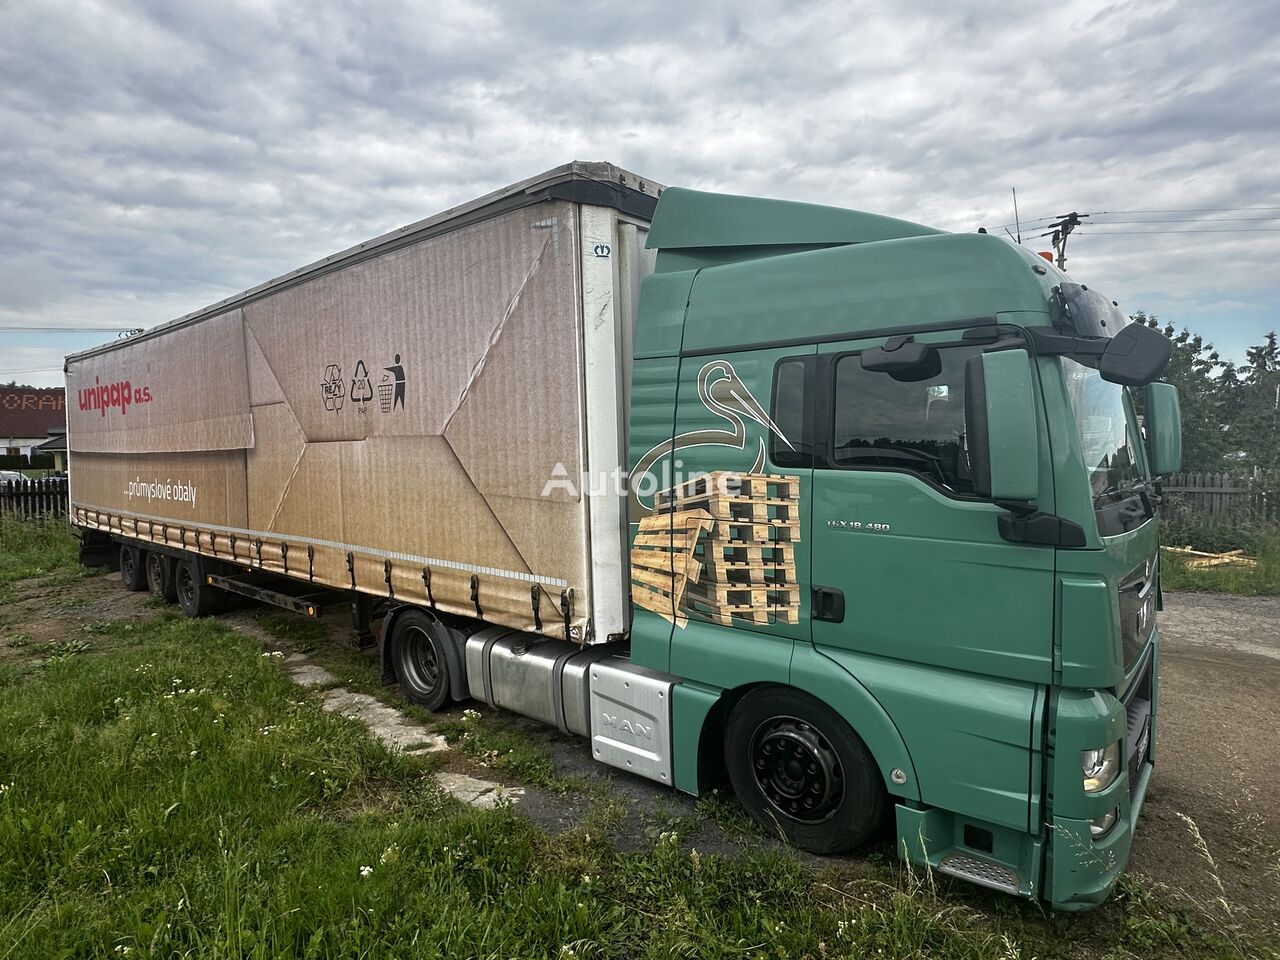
[132, 567]
[421, 662]
[800, 770]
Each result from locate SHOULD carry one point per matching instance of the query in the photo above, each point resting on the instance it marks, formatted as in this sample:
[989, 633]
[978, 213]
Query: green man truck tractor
[851, 513]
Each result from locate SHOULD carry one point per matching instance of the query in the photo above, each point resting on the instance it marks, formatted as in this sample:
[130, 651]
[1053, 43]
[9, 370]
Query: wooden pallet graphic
[733, 552]
[746, 531]
[663, 562]
[746, 569]
[750, 486]
[733, 614]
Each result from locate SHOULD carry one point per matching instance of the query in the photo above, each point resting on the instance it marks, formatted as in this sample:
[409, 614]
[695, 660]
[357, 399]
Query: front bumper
[1082, 871]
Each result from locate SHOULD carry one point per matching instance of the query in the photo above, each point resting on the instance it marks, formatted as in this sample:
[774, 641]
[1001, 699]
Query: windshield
[1110, 448]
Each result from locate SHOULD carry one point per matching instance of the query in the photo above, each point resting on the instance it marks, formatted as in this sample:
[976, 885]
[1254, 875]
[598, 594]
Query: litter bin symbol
[385, 393]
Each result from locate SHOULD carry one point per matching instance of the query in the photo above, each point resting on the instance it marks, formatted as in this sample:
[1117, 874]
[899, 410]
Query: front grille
[1137, 705]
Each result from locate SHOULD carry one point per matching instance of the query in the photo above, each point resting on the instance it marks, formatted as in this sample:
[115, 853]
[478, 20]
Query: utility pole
[1060, 231]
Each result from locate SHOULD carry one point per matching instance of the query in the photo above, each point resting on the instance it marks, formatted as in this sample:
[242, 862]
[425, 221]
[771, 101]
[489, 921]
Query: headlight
[1100, 767]
[1101, 826]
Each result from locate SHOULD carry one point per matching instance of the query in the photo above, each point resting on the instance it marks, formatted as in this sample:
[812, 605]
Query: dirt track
[1218, 751]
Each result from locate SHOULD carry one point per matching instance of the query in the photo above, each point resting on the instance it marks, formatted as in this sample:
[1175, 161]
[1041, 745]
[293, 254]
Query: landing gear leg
[362, 637]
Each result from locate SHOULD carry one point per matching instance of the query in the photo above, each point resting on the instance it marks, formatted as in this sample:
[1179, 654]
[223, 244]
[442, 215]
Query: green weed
[301, 633]
[1260, 580]
[493, 743]
[36, 548]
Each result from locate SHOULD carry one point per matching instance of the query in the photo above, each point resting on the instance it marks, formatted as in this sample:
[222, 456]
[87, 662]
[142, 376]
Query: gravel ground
[1218, 754]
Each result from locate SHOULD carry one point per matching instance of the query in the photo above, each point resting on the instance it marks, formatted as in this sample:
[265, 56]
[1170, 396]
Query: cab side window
[880, 423]
[791, 411]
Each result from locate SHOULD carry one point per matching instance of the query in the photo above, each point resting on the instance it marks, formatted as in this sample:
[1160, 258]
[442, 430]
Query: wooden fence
[1223, 497]
[34, 499]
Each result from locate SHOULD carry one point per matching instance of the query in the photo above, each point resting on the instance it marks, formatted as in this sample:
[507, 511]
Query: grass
[1182, 527]
[495, 742]
[1262, 580]
[37, 548]
[176, 795]
[165, 791]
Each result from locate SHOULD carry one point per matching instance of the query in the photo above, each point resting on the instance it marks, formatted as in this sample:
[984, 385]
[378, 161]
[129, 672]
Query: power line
[1191, 210]
[1149, 233]
[1196, 220]
[1126, 213]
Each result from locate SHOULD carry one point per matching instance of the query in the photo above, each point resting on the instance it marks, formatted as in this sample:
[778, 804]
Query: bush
[1182, 526]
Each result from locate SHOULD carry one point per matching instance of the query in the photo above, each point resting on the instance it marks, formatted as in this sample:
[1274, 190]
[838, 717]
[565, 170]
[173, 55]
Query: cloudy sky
[155, 157]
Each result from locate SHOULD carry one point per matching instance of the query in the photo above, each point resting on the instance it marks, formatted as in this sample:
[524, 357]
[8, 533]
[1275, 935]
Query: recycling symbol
[361, 387]
[331, 388]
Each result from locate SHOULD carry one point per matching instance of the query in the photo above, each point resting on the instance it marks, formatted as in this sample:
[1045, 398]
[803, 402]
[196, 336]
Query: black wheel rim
[797, 770]
[186, 587]
[154, 578]
[418, 657]
[128, 570]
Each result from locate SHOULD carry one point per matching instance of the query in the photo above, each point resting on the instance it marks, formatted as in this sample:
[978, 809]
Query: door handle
[828, 604]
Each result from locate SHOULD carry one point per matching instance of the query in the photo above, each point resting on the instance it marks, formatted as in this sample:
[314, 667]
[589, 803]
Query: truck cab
[894, 527]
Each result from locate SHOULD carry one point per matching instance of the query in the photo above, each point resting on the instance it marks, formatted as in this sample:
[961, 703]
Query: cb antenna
[1017, 223]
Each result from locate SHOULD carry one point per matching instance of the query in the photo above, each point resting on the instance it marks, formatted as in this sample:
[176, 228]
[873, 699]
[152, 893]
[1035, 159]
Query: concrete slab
[384, 722]
[307, 674]
[478, 793]
[398, 732]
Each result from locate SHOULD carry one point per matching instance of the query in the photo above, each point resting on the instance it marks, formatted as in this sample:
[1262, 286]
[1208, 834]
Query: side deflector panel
[631, 718]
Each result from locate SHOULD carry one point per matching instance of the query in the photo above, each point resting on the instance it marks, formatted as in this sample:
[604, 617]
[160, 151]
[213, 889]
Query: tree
[1194, 370]
[1255, 414]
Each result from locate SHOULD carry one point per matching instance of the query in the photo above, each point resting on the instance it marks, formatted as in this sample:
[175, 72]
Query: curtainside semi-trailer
[851, 512]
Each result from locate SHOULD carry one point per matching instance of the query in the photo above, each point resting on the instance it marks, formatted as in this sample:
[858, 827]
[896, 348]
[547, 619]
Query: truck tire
[133, 573]
[421, 662]
[160, 577]
[195, 596]
[800, 770]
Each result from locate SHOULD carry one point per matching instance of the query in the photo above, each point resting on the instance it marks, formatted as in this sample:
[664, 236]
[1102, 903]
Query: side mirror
[1000, 423]
[1135, 356]
[1164, 429]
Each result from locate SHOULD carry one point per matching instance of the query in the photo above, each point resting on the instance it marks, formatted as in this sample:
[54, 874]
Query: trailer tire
[195, 596]
[800, 770]
[421, 659]
[133, 573]
[160, 577]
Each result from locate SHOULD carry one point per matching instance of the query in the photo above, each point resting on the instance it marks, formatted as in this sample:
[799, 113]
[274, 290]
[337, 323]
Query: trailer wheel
[196, 597]
[801, 771]
[421, 662]
[160, 577]
[132, 567]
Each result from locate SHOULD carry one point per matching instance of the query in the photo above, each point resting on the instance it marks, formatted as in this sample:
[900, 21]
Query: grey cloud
[159, 155]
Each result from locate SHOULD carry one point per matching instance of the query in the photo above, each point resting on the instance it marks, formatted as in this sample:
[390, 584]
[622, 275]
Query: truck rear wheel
[133, 572]
[160, 577]
[801, 771]
[421, 662]
[196, 597]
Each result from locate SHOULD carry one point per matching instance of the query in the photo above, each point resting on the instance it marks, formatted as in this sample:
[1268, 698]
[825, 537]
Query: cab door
[914, 590]
[732, 493]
